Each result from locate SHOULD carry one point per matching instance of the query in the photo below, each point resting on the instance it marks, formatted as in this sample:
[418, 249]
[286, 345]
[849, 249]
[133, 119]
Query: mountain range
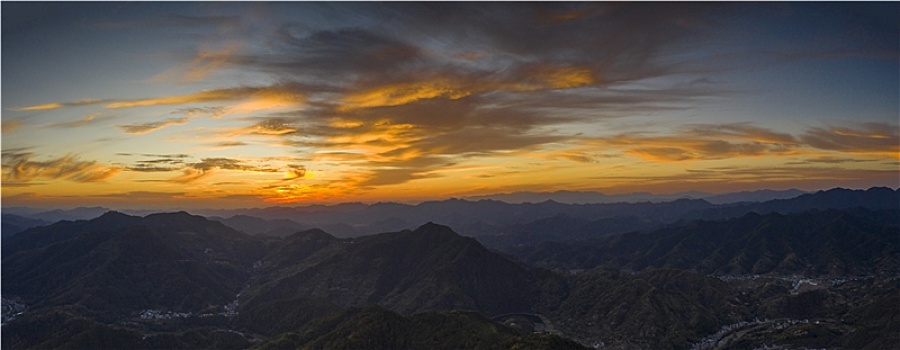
[590, 197]
[818, 270]
[491, 217]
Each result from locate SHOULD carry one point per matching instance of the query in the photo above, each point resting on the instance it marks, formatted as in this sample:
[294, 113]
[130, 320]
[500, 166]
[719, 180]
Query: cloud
[741, 131]
[11, 125]
[204, 63]
[272, 127]
[229, 94]
[87, 120]
[226, 144]
[333, 55]
[57, 105]
[228, 164]
[383, 177]
[879, 138]
[254, 98]
[159, 163]
[705, 142]
[140, 129]
[295, 172]
[162, 160]
[19, 167]
[728, 179]
[723, 141]
[211, 112]
[223, 23]
[147, 168]
[196, 171]
[141, 195]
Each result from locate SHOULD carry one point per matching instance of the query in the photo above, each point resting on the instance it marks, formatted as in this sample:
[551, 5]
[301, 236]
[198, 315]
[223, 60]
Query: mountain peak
[112, 214]
[311, 234]
[432, 228]
[113, 219]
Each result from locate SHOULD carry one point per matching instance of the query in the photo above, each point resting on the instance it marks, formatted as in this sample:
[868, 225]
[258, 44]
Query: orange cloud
[139, 129]
[709, 142]
[57, 105]
[403, 93]
[450, 86]
[255, 98]
[11, 125]
[19, 167]
[706, 142]
[557, 77]
[202, 96]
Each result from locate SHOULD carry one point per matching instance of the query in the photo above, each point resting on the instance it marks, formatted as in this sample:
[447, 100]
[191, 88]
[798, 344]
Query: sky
[233, 104]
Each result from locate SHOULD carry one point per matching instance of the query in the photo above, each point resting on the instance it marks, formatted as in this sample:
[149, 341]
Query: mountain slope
[376, 328]
[117, 263]
[828, 243]
[430, 268]
[656, 309]
[875, 198]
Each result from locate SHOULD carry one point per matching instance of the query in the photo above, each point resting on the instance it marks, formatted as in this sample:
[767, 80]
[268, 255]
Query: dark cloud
[273, 126]
[163, 160]
[230, 144]
[203, 21]
[383, 177]
[228, 164]
[168, 156]
[346, 52]
[211, 112]
[152, 169]
[296, 172]
[195, 171]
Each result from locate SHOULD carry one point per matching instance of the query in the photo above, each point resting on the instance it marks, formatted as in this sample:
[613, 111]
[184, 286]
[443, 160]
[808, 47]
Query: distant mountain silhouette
[562, 228]
[816, 243]
[80, 213]
[589, 197]
[838, 198]
[469, 218]
[754, 196]
[13, 224]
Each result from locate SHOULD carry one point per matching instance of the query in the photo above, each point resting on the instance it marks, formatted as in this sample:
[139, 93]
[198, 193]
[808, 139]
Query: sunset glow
[214, 105]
